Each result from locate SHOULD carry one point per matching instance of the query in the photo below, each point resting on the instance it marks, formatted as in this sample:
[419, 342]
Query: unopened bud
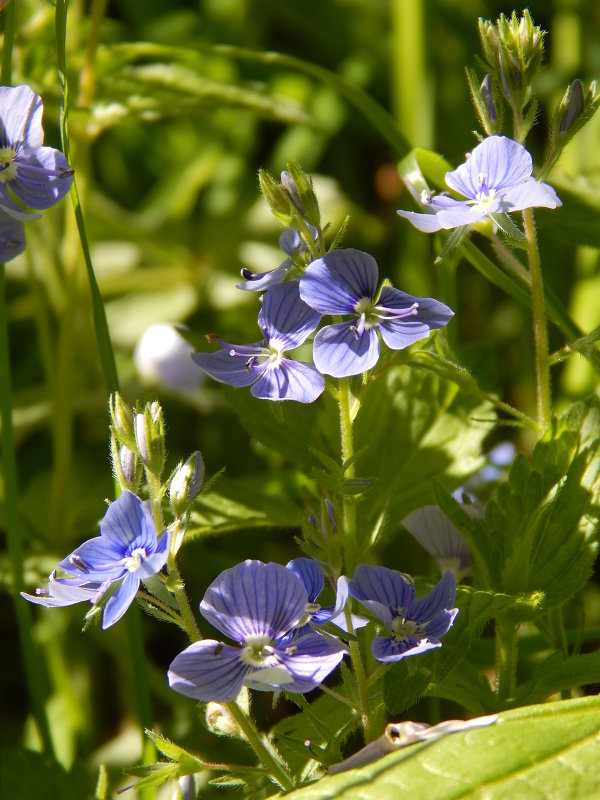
[121, 419]
[128, 459]
[488, 98]
[577, 106]
[186, 484]
[277, 197]
[573, 103]
[288, 184]
[150, 437]
[303, 189]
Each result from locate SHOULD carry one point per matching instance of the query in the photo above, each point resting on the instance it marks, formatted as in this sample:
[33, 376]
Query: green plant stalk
[350, 544]
[506, 659]
[362, 684]
[178, 589]
[270, 760]
[14, 535]
[540, 326]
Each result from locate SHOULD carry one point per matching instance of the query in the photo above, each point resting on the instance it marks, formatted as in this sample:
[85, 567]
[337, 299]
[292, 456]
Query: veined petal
[388, 648]
[289, 380]
[331, 613]
[440, 598]
[310, 660]
[285, 317]
[465, 215]
[501, 160]
[380, 588]
[340, 351]
[428, 223]
[127, 523]
[290, 240]
[120, 601]
[434, 531]
[43, 177]
[336, 282]
[311, 575]
[255, 599]
[401, 331]
[228, 367]
[208, 670]
[61, 592]
[13, 211]
[97, 559]
[155, 561]
[529, 195]
[260, 281]
[21, 116]
[439, 624]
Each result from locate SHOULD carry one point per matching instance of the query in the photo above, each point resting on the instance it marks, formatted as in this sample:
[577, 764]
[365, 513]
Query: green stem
[347, 452]
[540, 328]
[506, 659]
[178, 589]
[266, 754]
[362, 684]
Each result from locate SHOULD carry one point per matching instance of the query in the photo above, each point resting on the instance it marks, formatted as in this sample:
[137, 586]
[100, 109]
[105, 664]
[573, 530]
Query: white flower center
[258, 652]
[134, 561]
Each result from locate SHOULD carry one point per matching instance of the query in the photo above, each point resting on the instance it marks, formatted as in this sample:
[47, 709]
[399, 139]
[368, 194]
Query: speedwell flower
[495, 179]
[126, 552]
[38, 176]
[285, 322]
[344, 282]
[291, 243]
[415, 625]
[311, 575]
[258, 606]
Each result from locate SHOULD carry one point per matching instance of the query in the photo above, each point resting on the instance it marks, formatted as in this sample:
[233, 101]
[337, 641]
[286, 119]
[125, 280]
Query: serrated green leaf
[406, 682]
[547, 751]
[154, 775]
[175, 752]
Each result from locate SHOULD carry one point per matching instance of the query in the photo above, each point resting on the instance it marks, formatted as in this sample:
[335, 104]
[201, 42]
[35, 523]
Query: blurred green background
[167, 138]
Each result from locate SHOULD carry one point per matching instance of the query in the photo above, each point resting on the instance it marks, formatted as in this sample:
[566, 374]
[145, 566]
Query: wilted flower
[258, 606]
[416, 625]
[285, 322]
[126, 552]
[344, 282]
[496, 179]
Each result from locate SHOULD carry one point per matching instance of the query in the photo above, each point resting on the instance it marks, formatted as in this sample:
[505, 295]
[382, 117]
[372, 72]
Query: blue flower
[126, 552]
[436, 533]
[291, 243]
[311, 575]
[38, 176]
[416, 625]
[285, 322]
[256, 605]
[344, 282]
[12, 238]
[496, 179]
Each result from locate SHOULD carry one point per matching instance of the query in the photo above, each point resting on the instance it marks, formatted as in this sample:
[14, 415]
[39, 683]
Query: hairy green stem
[540, 327]
[347, 452]
[270, 759]
[178, 589]
[362, 683]
[506, 659]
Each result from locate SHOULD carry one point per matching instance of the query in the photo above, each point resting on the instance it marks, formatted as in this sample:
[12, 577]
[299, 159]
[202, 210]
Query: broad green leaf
[546, 751]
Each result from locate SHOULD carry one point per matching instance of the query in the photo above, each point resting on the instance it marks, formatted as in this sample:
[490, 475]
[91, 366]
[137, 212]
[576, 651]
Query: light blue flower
[285, 322]
[37, 176]
[415, 625]
[437, 534]
[291, 243]
[126, 552]
[258, 606]
[495, 179]
[344, 282]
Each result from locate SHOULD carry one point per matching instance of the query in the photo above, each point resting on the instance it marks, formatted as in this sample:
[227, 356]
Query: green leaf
[26, 774]
[406, 682]
[546, 751]
[556, 674]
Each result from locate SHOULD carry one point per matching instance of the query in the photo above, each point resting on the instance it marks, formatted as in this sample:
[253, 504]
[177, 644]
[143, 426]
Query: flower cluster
[31, 176]
[271, 612]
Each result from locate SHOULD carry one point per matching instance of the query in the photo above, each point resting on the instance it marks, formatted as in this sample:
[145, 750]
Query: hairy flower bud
[121, 420]
[577, 106]
[300, 186]
[150, 437]
[186, 484]
[278, 199]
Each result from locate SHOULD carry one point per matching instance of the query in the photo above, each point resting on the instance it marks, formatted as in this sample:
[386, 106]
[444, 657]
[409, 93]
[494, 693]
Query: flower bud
[299, 185]
[186, 484]
[150, 437]
[127, 460]
[572, 105]
[487, 96]
[121, 420]
[278, 199]
[577, 106]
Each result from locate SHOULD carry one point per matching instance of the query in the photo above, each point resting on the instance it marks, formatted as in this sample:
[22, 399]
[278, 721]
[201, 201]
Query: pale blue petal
[311, 575]
[388, 648]
[335, 283]
[11, 209]
[290, 240]
[260, 281]
[529, 195]
[383, 591]
[331, 613]
[63, 593]
[339, 351]
[434, 531]
[399, 332]
[310, 660]
[466, 215]
[255, 599]
[21, 117]
[208, 671]
[127, 524]
[503, 161]
[43, 177]
[120, 601]
[155, 561]
[226, 366]
[97, 559]
[290, 380]
[285, 318]
[439, 624]
[440, 598]
[428, 223]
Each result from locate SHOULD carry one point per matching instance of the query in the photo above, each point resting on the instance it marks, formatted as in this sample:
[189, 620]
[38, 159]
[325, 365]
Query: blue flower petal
[290, 380]
[43, 178]
[440, 598]
[383, 591]
[439, 624]
[339, 351]
[529, 195]
[228, 367]
[126, 524]
[502, 161]
[155, 561]
[466, 215]
[260, 281]
[21, 115]
[399, 332]
[335, 283]
[286, 318]
[120, 601]
[310, 660]
[428, 223]
[388, 648]
[208, 670]
[97, 559]
[290, 240]
[255, 599]
[434, 531]
[61, 592]
[311, 575]
[335, 612]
